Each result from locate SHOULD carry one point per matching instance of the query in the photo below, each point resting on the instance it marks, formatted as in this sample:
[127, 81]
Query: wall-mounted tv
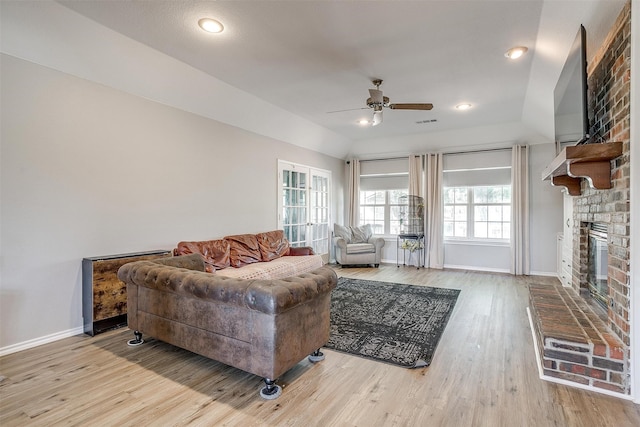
[571, 118]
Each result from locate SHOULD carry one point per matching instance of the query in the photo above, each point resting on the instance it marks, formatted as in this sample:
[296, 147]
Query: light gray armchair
[357, 245]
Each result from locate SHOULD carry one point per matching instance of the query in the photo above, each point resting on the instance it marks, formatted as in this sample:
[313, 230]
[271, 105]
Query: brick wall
[609, 96]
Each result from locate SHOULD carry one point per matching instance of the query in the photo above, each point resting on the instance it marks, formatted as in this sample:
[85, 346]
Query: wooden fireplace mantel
[591, 162]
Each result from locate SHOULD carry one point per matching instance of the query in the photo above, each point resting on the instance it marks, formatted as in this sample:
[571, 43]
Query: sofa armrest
[305, 250]
[378, 242]
[340, 242]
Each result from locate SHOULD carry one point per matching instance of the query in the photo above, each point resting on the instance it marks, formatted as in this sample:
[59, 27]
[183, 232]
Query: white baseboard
[475, 268]
[544, 273]
[459, 267]
[485, 269]
[14, 348]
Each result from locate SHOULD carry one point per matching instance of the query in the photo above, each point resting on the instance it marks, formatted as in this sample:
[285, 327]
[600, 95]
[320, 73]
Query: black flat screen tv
[571, 118]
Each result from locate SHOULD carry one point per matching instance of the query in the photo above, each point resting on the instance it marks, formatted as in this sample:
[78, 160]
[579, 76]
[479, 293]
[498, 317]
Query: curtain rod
[479, 151]
[388, 158]
[444, 154]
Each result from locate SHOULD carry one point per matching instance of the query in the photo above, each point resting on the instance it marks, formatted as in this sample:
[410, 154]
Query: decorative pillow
[215, 253]
[300, 251]
[244, 249]
[361, 234]
[344, 232]
[272, 245]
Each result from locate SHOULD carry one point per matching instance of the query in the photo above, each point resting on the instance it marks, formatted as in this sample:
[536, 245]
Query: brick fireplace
[578, 342]
[609, 89]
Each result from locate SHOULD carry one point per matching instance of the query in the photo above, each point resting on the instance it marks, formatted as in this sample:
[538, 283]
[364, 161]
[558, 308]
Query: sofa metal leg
[316, 356]
[271, 390]
[377, 265]
[137, 340]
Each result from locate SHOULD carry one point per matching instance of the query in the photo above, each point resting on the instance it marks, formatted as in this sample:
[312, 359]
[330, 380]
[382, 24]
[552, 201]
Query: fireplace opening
[597, 261]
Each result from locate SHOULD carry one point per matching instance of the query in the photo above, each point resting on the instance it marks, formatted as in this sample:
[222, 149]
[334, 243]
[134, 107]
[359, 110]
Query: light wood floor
[483, 374]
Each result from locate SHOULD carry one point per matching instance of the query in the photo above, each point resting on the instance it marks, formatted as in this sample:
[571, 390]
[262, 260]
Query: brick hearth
[573, 343]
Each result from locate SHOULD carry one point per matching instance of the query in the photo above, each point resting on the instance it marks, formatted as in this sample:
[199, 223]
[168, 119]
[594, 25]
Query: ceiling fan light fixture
[516, 52]
[464, 106]
[377, 117]
[211, 25]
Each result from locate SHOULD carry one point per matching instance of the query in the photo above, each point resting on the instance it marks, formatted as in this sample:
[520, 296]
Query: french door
[304, 204]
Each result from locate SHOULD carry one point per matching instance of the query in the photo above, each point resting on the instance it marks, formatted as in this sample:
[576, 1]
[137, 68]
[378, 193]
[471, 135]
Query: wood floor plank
[483, 374]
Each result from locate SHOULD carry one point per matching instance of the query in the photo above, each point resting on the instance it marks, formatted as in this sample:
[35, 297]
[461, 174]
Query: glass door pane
[294, 206]
[319, 219]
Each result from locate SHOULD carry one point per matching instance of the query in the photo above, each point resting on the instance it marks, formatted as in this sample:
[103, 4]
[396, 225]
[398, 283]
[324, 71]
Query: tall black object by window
[412, 215]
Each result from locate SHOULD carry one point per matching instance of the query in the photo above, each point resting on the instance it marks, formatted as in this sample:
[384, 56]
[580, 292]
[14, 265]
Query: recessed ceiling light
[363, 122]
[463, 106]
[516, 52]
[210, 25]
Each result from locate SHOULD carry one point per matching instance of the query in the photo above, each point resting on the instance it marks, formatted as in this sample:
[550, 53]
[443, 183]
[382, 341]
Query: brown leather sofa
[264, 327]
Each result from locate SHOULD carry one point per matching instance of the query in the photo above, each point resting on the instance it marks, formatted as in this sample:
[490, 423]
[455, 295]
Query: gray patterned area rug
[389, 322]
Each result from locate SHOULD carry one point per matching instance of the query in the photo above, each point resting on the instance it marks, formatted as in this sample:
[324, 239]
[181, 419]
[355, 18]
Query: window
[477, 212]
[381, 209]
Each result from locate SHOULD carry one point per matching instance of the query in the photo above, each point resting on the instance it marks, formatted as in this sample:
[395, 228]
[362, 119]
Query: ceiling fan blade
[376, 96]
[411, 106]
[377, 118]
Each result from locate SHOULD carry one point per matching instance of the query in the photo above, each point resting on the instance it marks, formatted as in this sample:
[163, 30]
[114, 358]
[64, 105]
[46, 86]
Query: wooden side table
[104, 296]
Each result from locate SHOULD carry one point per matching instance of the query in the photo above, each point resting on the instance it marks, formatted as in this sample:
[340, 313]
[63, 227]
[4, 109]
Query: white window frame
[470, 221]
[387, 209]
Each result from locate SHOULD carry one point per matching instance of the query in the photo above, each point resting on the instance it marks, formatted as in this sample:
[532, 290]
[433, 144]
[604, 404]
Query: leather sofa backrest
[266, 296]
[190, 262]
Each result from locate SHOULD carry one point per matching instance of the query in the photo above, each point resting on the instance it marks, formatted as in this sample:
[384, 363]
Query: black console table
[413, 243]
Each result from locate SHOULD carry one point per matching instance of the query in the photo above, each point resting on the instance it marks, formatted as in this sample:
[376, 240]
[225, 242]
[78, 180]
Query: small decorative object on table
[413, 243]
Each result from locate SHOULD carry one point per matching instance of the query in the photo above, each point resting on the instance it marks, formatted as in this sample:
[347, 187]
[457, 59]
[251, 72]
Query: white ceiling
[313, 57]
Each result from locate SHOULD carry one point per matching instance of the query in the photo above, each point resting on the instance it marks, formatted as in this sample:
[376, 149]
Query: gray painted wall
[87, 170]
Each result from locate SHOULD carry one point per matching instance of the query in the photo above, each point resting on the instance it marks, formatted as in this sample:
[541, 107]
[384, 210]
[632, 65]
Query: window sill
[474, 242]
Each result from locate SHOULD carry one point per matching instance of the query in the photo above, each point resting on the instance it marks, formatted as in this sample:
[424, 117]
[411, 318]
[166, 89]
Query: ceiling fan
[377, 101]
